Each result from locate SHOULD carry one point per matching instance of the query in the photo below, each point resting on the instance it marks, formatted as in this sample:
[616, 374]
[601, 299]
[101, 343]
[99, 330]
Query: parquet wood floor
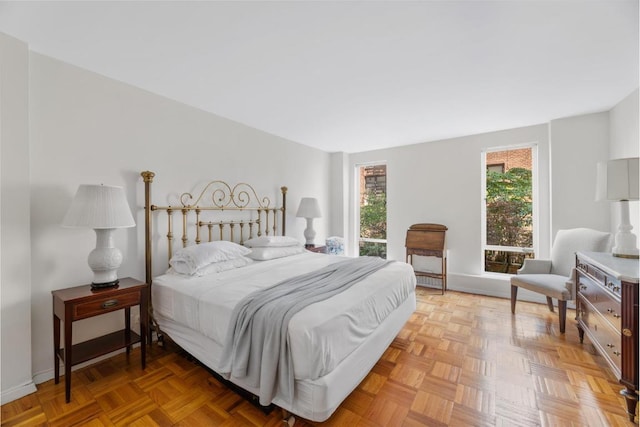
[461, 360]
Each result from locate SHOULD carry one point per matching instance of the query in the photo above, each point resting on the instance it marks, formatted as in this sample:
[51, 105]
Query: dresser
[607, 312]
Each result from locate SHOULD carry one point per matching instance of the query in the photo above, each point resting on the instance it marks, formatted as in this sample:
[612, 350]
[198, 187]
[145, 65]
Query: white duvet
[320, 336]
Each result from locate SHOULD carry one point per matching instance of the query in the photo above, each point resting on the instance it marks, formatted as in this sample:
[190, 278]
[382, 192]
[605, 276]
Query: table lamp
[309, 209]
[618, 181]
[103, 208]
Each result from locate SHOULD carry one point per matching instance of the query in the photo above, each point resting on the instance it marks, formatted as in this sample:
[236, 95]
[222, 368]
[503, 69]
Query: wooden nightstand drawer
[105, 305]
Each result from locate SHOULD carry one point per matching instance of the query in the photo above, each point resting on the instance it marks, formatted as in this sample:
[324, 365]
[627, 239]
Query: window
[372, 238]
[498, 167]
[508, 208]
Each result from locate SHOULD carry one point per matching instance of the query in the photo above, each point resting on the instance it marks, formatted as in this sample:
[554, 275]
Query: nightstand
[82, 302]
[317, 249]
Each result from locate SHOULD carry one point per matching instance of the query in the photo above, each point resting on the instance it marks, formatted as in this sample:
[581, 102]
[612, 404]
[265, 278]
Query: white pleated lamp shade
[309, 208]
[98, 207]
[618, 179]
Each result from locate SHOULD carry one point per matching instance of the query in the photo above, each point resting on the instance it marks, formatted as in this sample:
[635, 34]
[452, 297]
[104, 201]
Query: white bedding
[320, 336]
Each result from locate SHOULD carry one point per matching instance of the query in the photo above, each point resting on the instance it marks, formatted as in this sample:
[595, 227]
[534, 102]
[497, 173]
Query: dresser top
[620, 268]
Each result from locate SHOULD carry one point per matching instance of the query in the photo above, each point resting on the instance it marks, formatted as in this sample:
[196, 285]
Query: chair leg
[514, 296]
[550, 304]
[562, 309]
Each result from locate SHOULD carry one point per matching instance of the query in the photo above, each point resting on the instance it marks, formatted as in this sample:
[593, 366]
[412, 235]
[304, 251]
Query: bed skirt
[317, 399]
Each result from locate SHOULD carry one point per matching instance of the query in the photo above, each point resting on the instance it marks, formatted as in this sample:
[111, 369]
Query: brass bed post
[148, 179]
[147, 176]
[284, 209]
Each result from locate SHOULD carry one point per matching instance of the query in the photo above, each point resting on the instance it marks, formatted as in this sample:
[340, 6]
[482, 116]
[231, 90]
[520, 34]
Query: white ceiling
[353, 75]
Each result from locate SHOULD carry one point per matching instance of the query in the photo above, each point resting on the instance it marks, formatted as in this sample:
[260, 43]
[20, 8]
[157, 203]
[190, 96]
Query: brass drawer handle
[613, 313]
[110, 303]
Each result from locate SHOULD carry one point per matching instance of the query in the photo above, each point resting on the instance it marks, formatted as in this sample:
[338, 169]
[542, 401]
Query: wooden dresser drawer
[105, 305]
[603, 302]
[605, 280]
[606, 339]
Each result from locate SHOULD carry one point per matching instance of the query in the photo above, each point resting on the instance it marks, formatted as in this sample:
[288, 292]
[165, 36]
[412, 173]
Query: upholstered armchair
[555, 278]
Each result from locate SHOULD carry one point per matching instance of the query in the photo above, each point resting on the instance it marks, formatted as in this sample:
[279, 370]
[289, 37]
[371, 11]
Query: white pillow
[263, 254]
[188, 260]
[272, 241]
[217, 267]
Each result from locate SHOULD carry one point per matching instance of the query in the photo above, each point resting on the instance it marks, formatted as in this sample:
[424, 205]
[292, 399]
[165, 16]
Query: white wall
[85, 128]
[624, 137]
[440, 182]
[15, 258]
[577, 145]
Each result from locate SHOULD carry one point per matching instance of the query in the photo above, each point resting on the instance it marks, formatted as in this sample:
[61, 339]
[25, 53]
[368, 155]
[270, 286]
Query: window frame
[535, 194]
[357, 237]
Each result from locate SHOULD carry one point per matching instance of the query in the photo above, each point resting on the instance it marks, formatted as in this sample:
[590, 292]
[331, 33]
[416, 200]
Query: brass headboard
[255, 215]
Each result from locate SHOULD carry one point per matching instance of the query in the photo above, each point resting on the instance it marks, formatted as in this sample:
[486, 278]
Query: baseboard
[493, 285]
[49, 374]
[17, 392]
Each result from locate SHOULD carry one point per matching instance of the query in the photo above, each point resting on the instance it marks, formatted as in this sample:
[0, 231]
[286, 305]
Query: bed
[331, 344]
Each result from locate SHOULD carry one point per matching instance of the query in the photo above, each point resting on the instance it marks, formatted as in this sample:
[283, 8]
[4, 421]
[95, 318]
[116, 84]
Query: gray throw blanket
[256, 346]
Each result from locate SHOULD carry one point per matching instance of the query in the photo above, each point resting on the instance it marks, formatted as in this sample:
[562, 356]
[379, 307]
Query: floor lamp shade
[103, 208]
[618, 180]
[309, 209]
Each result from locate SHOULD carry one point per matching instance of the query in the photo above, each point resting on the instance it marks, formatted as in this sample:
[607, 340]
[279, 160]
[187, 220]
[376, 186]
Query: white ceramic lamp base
[625, 243]
[309, 233]
[105, 259]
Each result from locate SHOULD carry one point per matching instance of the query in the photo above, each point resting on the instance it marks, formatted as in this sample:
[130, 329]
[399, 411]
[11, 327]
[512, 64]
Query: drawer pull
[613, 313]
[627, 332]
[110, 303]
